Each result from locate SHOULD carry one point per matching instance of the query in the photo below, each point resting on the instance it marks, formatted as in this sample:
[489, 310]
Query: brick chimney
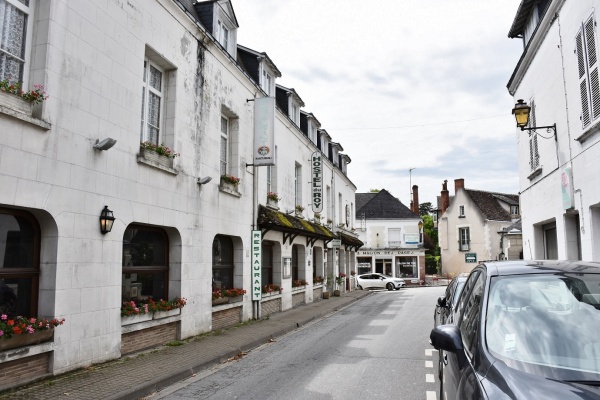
[415, 199]
[459, 184]
[445, 196]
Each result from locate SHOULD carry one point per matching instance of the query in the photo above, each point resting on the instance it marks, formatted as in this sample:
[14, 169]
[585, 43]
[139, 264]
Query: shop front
[407, 264]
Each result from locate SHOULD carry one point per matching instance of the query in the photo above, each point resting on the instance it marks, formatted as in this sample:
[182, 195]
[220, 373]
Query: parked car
[379, 281]
[524, 330]
[446, 305]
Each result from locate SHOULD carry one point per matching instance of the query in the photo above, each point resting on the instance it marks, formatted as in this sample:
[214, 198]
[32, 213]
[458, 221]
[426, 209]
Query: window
[145, 263]
[224, 152]
[464, 239]
[295, 114]
[223, 35]
[394, 237]
[222, 263]
[266, 83]
[461, 211]
[534, 155]
[15, 34]
[295, 269]
[589, 83]
[267, 263]
[514, 210]
[298, 185]
[469, 324]
[19, 263]
[152, 103]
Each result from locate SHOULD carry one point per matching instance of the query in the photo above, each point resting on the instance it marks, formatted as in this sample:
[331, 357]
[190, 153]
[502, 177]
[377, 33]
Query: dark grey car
[524, 330]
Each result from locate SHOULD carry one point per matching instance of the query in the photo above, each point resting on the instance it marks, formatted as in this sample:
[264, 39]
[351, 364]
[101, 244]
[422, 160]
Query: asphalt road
[378, 348]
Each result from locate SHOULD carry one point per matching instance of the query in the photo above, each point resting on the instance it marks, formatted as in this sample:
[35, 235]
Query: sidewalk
[144, 373]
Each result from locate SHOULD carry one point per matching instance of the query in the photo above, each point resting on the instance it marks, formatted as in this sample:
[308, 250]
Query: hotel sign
[256, 244]
[317, 181]
[264, 131]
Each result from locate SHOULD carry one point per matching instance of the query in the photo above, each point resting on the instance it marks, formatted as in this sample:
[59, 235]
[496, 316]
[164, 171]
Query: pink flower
[29, 329]
[1, 333]
[32, 320]
[4, 317]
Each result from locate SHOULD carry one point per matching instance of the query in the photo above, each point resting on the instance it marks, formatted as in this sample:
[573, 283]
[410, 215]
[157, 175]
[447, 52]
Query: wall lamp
[106, 220]
[203, 181]
[521, 113]
[104, 144]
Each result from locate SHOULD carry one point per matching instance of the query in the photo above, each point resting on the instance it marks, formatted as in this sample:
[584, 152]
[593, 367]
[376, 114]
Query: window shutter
[534, 156]
[592, 64]
[583, 84]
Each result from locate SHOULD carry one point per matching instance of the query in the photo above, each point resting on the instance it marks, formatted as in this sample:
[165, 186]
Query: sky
[400, 84]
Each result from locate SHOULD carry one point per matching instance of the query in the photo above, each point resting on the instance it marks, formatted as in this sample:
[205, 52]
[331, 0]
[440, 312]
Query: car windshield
[546, 320]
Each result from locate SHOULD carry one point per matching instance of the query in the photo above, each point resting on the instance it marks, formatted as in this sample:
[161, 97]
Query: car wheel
[390, 286]
[359, 287]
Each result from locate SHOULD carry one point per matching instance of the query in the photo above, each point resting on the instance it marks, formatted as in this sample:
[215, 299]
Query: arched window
[222, 262]
[145, 263]
[19, 263]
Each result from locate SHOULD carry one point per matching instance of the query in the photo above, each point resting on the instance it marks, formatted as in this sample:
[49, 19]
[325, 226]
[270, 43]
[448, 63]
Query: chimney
[459, 184]
[445, 197]
[415, 199]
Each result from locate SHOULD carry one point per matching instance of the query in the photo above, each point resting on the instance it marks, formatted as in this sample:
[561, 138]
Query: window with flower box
[145, 268]
[222, 263]
[19, 263]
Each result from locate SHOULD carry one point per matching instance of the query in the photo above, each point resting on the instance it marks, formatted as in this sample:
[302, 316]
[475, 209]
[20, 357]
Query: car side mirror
[447, 338]
[442, 302]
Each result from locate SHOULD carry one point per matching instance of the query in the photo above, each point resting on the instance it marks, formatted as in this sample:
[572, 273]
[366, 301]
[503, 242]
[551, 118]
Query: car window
[457, 291]
[450, 291]
[471, 313]
[466, 289]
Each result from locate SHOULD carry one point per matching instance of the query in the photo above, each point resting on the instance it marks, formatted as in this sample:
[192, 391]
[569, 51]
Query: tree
[425, 209]
[374, 190]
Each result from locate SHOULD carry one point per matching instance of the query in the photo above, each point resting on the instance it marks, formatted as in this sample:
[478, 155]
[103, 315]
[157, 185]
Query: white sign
[317, 181]
[264, 131]
[411, 238]
[256, 244]
[336, 242]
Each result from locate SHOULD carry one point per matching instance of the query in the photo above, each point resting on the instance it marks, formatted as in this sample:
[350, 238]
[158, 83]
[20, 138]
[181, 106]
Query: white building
[393, 236]
[557, 76]
[169, 73]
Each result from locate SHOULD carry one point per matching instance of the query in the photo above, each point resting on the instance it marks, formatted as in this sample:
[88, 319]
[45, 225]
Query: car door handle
[445, 359]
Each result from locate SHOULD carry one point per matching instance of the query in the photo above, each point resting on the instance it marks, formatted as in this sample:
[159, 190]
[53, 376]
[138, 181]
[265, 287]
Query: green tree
[425, 209]
[430, 242]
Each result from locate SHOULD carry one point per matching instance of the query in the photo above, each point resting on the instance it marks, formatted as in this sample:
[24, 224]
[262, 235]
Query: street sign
[470, 257]
[256, 243]
[336, 242]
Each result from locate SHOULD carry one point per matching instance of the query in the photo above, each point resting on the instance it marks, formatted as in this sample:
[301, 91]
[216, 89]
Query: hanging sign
[264, 131]
[256, 244]
[317, 181]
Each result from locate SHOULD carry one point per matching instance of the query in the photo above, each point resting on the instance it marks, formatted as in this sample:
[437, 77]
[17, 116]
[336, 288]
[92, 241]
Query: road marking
[431, 395]
[428, 364]
[429, 378]
[429, 352]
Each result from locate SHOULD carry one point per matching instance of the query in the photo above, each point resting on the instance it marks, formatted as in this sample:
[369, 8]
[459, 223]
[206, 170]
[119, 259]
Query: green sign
[470, 257]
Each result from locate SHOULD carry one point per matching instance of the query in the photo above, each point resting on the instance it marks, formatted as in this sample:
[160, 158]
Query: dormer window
[266, 83]
[223, 36]
[514, 210]
[295, 113]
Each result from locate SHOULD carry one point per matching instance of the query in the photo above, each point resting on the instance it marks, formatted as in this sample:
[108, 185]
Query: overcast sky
[400, 84]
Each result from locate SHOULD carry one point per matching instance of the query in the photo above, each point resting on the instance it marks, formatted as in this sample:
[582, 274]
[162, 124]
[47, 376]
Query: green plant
[299, 282]
[159, 149]
[273, 196]
[220, 293]
[340, 279]
[299, 208]
[230, 179]
[35, 96]
[20, 325]
[129, 308]
[318, 279]
[271, 287]
[317, 217]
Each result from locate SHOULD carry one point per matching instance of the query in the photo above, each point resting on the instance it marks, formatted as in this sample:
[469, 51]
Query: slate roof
[488, 203]
[381, 205]
[271, 219]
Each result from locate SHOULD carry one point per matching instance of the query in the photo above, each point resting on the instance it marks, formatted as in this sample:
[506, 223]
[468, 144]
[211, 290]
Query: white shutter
[592, 64]
[583, 84]
[534, 155]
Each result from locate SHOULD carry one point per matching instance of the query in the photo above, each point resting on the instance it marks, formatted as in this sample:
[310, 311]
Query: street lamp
[420, 225]
[521, 113]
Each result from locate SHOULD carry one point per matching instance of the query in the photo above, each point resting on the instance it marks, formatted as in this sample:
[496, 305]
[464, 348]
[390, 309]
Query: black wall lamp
[521, 113]
[106, 220]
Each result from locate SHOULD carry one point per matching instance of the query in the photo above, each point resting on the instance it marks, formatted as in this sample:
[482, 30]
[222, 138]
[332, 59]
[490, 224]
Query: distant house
[392, 236]
[475, 225]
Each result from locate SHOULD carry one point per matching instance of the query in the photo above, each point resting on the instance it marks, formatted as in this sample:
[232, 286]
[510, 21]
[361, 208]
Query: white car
[379, 281]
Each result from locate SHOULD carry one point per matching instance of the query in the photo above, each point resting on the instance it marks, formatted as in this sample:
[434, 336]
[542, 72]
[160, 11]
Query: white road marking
[431, 395]
[429, 378]
[428, 364]
[429, 352]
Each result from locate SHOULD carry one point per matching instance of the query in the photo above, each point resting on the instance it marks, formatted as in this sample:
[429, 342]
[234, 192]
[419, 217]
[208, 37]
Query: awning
[350, 242]
[273, 220]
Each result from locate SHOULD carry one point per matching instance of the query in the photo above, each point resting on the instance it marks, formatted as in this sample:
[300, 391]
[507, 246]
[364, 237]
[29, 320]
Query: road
[378, 348]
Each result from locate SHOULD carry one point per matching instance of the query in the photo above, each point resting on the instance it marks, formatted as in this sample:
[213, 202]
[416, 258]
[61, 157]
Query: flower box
[15, 103]
[134, 319]
[166, 314]
[26, 339]
[152, 156]
[236, 299]
[272, 203]
[228, 187]
[220, 300]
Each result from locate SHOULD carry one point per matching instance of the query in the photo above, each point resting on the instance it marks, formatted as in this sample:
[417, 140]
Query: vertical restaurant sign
[316, 165]
[264, 131]
[566, 188]
[256, 265]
